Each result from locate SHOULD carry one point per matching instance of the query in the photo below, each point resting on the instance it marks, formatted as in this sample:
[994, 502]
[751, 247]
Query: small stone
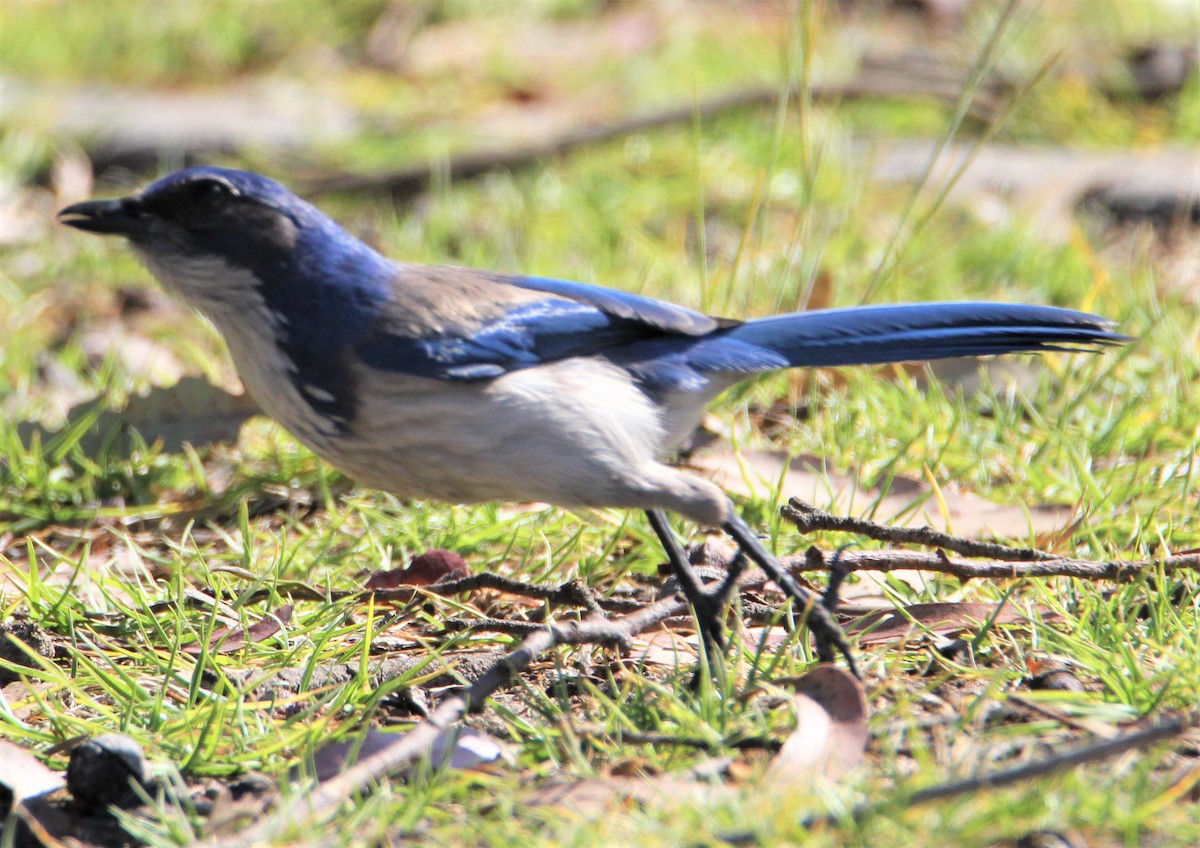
[26, 633]
[1059, 680]
[103, 770]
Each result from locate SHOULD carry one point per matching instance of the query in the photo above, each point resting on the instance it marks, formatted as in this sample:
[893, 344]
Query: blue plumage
[874, 334]
[523, 336]
[667, 359]
[341, 302]
[619, 304]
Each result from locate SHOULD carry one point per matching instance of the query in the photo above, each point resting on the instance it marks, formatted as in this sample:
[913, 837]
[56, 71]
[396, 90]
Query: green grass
[743, 215]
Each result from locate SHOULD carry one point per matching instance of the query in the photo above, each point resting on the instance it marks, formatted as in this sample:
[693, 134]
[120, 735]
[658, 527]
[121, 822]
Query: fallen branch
[637, 737]
[300, 812]
[494, 625]
[894, 81]
[814, 559]
[809, 519]
[1001, 562]
[1107, 749]
[572, 593]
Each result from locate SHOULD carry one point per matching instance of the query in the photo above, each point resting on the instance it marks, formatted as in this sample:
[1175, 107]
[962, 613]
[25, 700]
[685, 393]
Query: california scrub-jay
[468, 386]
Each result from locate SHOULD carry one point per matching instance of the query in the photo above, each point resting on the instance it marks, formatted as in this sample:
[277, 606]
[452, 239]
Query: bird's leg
[709, 606]
[825, 630]
[723, 594]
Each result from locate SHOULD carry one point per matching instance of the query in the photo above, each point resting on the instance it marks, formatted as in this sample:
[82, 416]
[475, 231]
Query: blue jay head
[201, 211]
[207, 232]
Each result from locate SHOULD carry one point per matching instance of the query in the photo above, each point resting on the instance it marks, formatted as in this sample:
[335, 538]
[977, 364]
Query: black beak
[121, 217]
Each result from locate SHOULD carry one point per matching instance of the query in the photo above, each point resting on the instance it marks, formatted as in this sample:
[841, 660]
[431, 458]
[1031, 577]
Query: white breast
[229, 298]
[572, 432]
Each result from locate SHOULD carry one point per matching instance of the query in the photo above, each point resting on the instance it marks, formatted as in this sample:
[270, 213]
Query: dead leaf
[665, 648]
[24, 213]
[138, 356]
[769, 638]
[71, 177]
[939, 619]
[1186, 786]
[21, 698]
[831, 727]
[580, 795]
[462, 748]
[230, 639]
[433, 566]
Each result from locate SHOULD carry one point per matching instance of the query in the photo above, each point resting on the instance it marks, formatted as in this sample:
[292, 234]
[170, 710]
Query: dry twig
[809, 519]
[1106, 749]
[299, 812]
[1000, 563]
[1084, 569]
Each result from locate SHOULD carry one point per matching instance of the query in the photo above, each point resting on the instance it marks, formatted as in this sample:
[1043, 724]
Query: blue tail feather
[898, 333]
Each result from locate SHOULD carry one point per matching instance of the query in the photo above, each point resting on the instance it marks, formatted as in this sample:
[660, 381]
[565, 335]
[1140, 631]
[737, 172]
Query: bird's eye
[208, 191]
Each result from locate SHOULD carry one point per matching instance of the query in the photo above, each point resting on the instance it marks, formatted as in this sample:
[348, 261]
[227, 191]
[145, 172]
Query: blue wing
[456, 324]
[459, 325]
[619, 304]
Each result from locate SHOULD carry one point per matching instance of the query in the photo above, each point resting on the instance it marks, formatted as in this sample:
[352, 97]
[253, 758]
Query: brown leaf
[580, 795]
[462, 748]
[1186, 786]
[831, 727]
[940, 619]
[24, 214]
[21, 698]
[138, 356]
[433, 566]
[230, 639]
[665, 648]
[770, 638]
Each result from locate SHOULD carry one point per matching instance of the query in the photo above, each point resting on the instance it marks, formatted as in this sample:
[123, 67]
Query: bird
[466, 386]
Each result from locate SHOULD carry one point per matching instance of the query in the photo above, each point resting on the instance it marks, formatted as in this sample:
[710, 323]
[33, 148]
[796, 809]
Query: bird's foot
[827, 634]
[709, 600]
